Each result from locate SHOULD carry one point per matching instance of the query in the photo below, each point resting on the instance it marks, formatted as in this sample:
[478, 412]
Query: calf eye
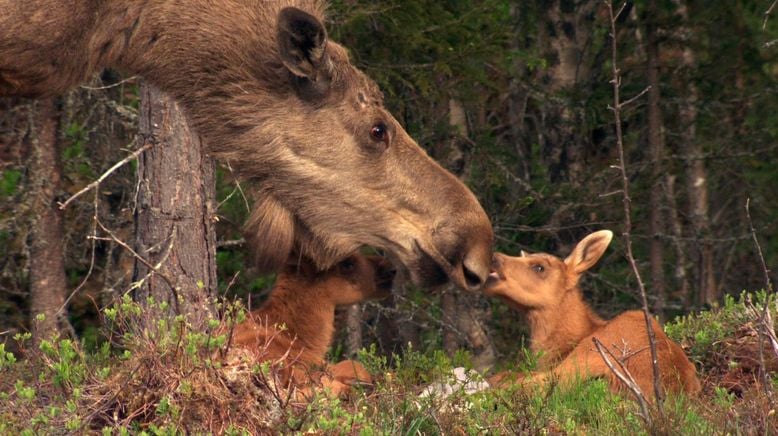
[347, 266]
[379, 132]
[537, 268]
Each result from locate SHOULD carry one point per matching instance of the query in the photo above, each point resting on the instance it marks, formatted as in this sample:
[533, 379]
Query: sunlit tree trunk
[681, 276]
[48, 284]
[696, 172]
[175, 210]
[565, 37]
[353, 329]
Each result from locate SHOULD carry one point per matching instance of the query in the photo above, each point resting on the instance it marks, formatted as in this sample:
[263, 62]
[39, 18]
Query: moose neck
[557, 330]
[228, 76]
[308, 313]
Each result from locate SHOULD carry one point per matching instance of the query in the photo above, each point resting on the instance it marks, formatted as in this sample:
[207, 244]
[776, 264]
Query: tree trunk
[353, 330]
[449, 308]
[565, 36]
[681, 276]
[656, 145]
[696, 172]
[48, 284]
[174, 212]
[460, 317]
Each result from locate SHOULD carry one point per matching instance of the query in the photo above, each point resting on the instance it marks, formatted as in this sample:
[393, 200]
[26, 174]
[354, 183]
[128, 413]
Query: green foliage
[7, 359]
[705, 332]
[9, 181]
[74, 153]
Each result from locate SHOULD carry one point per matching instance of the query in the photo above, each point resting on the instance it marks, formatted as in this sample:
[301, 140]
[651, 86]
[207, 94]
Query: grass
[164, 378]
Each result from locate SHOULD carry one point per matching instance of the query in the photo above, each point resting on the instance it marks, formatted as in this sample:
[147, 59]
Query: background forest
[514, 99]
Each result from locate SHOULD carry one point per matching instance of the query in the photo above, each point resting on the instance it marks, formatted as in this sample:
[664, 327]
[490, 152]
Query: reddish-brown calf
[297, 322]
[563, 325]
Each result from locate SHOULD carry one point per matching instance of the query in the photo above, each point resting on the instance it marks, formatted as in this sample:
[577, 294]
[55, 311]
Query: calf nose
[385, 271]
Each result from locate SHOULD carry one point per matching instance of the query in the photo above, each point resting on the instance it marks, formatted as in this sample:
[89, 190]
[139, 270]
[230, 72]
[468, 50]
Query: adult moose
[271, 95]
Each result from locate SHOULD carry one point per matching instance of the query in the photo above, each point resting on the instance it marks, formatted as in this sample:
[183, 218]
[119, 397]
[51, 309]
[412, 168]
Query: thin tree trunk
[681, 276]
[696, 173]
[48, 284]
[448, 305]
[353, 329]
[459, 309]
[174, 212]
[656, 145]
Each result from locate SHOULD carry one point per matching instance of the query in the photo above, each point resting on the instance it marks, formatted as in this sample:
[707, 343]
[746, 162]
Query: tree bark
[681, 276]
[656, 145]
[449, 309]
[459, 309]
[353, 330]
[48, 284]
[174, 212]
[696, 172]
[565, 35]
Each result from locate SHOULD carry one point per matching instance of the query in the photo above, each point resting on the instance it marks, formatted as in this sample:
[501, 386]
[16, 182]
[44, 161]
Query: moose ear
[301, 42]
[589, 251]
[270, 234]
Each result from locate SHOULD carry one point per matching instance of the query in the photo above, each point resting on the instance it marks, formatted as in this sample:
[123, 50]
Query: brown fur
[298, 320]
[563, 325]
[272, 96]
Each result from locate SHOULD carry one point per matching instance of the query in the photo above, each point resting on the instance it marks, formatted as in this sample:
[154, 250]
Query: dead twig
[616, 108]
[623, 374]
[92, 257]
[105, 175]
[767, 14]
[113, 85]
[764, 320]
[153, 269]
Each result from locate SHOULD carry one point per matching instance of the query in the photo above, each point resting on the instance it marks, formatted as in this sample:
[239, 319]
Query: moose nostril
[471, 278]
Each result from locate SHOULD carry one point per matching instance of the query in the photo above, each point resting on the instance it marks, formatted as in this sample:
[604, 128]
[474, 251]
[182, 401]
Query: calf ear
[270, 234]
[300, 265]
[589, 251]
[301, 42]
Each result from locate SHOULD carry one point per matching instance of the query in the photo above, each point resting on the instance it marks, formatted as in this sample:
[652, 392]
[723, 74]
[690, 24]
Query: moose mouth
[431, 269]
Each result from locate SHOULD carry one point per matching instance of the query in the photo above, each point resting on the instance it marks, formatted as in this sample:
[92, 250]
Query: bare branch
[230, 243]
[623, 374]
[767, 14]
[633, 99]
[615, 81]
[768, 284]
[765, 329]
[92, 257]
[105, 175]
[113, 85]
[141, 259]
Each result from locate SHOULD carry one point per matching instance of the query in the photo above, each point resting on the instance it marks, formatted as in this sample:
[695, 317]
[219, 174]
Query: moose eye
[379, 132]
[537, 268]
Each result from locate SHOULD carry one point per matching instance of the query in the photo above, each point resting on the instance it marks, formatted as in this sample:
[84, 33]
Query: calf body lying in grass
[563, 325]
[296, 324]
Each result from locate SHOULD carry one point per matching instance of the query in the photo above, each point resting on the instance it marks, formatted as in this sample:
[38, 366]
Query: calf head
[354, 279]
[540, 280]
[344, 173]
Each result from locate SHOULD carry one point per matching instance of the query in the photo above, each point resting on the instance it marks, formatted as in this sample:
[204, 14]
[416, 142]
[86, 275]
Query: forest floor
[168, 379]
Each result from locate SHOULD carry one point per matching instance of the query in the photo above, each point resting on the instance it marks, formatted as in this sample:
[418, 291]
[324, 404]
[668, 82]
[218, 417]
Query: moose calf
[563, 325]
[297, 322]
